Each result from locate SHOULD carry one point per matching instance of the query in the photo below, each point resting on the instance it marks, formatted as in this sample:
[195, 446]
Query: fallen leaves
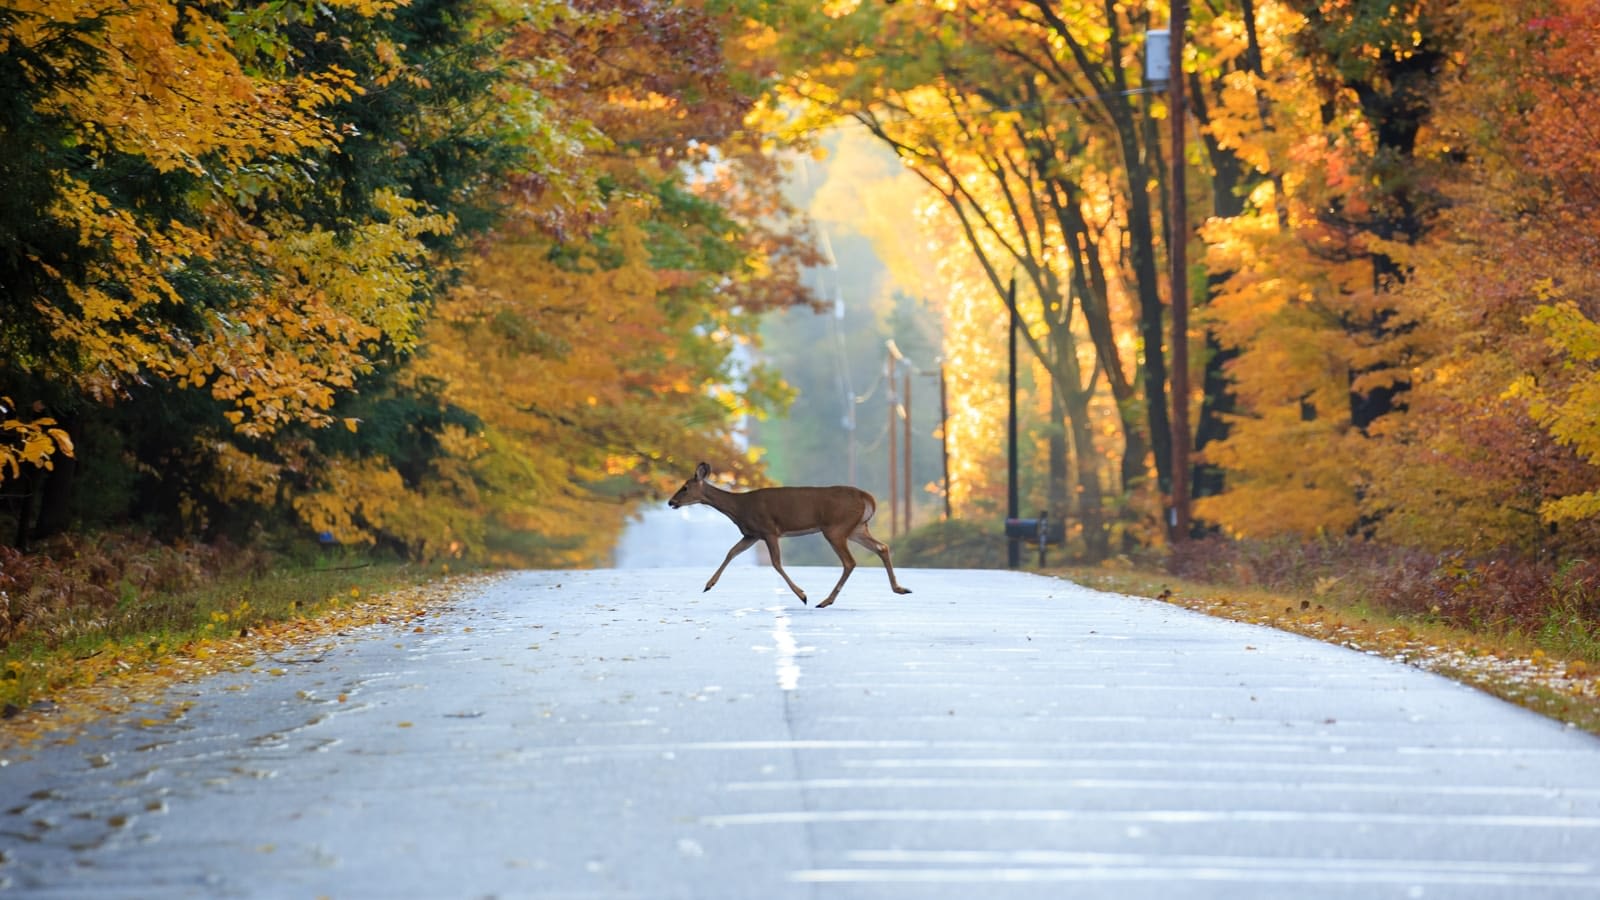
[1569, 690]
[114, 682]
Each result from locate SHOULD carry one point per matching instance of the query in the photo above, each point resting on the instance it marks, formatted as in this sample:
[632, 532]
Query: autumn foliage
[1393, 230]
[434, 275]
[439, 275]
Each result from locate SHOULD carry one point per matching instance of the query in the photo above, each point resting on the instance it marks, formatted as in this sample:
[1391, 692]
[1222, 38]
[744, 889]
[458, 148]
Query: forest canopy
[1393, 238]
[466, 277]
[435, 276]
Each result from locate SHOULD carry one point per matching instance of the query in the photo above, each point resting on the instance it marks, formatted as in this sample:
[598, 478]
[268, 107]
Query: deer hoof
[827, 602]
[901, 590]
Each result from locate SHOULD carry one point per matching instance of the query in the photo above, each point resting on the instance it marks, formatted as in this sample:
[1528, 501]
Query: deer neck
[725, 502]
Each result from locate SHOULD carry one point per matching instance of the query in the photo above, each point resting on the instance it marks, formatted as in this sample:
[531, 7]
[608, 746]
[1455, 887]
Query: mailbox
[1043, 529]
[1041, 532]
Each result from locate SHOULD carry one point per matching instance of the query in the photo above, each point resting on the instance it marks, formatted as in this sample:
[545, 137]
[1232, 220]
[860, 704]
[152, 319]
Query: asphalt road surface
[612, 733]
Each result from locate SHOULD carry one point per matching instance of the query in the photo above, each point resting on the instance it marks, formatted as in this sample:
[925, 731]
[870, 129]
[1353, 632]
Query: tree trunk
[1074, 404]
[55, 492]
[1152, 329]
[1089, 284]
[1057, 495]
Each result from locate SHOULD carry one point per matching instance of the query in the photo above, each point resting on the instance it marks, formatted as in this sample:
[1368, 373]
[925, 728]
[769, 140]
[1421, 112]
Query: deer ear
[701, 471]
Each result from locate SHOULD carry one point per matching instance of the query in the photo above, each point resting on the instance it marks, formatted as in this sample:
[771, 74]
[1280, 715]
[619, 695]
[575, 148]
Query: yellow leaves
[459, 443]
[177, 95]
[1568, 408]
[367, 8]
[372, 273]
[352, 500]
[1273, 492]
[239, 476]
[170, 91]
[282, 358]
[1567, 328]
[32, 442]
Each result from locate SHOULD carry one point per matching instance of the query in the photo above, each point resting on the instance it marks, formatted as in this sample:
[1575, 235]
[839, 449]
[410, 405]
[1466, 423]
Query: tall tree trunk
[55, 489]
[1147, 281]
[1229, 179]
[1137, 138]
[1089, 285]
[1091, 498]
[55, 497]
[1074, 404]
[1057, 495]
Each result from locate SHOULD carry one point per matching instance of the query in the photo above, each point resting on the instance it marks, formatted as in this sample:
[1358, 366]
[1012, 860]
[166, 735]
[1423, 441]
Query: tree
[1496, 437]
[241, 258]
[1324, 351]
[591, 340]
[1021, 119]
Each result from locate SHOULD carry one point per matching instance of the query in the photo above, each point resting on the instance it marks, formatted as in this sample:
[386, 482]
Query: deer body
[839, 513]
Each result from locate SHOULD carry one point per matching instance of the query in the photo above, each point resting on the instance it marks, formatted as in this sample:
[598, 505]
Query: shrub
[953, 544]
[1499, 593]
[71, 582]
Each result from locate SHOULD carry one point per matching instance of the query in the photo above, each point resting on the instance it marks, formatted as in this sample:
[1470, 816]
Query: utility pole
[905, 445]
[846, 386]
[944, 437]
[1177, 252]
[894, 453]
[899, 486]
[1013, 507]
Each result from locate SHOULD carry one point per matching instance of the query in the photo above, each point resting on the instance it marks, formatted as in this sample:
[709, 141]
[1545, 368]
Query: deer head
[693, 490]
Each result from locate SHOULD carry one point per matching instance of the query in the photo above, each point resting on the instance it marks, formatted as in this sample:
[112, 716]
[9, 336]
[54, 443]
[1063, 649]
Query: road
[619, 733]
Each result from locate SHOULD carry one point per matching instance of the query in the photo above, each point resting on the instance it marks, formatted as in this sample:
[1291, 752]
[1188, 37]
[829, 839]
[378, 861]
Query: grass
[99, 623]
[82, 645]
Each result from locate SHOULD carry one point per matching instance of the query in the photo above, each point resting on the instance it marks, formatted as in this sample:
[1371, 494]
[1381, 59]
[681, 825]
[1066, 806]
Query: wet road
[612, 734]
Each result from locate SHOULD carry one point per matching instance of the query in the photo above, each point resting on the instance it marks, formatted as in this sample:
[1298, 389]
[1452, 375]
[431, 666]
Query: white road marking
[1081, 858]
[1101, 764]
[787, 665]
[1154, 784]
[1153, 816]
[980, 866]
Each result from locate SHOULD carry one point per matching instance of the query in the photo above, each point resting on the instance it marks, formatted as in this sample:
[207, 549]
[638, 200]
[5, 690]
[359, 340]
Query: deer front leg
[772, 550]
[738, 548]
[846, 559]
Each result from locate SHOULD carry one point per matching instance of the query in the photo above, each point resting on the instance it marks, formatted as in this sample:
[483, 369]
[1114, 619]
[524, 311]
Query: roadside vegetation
[1527, 631]
[86, 611]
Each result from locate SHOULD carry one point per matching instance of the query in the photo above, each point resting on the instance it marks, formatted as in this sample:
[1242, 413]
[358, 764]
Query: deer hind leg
[864, 537]
[841, 547]
[777, 563]
[738, 548]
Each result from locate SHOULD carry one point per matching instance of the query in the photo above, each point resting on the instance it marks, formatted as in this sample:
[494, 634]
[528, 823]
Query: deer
[840, 513]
